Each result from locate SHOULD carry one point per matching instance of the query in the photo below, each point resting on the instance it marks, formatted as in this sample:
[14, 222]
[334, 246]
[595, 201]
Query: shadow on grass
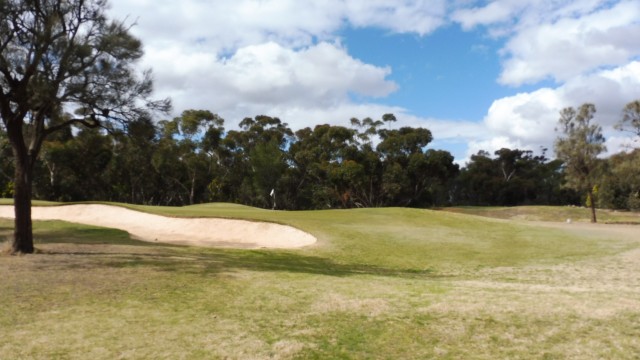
[217, 261]
[56, 232]
[101, 247]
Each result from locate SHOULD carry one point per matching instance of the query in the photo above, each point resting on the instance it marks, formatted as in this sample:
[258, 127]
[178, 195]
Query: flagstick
[273, 195]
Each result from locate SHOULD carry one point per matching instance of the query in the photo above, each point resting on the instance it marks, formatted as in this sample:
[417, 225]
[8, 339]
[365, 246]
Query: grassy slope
[411, 239]
[381, 283]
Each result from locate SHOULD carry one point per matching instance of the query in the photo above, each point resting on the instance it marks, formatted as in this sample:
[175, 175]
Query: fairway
[379, 283]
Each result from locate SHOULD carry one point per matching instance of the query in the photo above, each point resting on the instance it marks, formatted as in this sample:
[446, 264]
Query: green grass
[411, 238]
[380, 284]
[548, 213]
[5, 201]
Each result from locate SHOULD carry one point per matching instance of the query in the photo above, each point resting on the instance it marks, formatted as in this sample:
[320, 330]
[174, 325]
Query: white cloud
[284, 58]
[496, 12]
[573, 46]
[417, 16]
[226, 25]
[587, 46]
[492, 144]
[261, 77]
[622, 143]
[512, 16]
[558, 39]
[529, 119]
[278, 57]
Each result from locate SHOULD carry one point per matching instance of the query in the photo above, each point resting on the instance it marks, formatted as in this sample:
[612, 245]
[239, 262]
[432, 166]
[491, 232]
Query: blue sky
[436, 73]
[480, 75]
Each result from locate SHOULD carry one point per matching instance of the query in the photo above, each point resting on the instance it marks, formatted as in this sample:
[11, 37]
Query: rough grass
[549, 213]
[381, 283]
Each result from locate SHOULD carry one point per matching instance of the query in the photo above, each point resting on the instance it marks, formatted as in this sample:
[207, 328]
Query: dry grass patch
[548, 213]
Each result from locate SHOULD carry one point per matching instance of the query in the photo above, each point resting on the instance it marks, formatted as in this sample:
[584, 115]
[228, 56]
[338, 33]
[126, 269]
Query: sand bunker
[185, 231]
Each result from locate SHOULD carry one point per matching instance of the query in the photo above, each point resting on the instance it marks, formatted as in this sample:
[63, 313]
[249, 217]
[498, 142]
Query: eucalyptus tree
[511, 177]
[366, 128]
[49, 173]
[579, 144]
[440, 172]
[630, 118]
[265, 139]
[186, 155]
[621, 185]
[132, 177]
[368, 166]
[317, 155]
[56, 55]
[255, 159]
[478, 182]
[405, 175]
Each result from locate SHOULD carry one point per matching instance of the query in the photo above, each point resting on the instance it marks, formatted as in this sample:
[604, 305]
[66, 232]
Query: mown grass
[412, 238]
[380, 283]
[6, 201]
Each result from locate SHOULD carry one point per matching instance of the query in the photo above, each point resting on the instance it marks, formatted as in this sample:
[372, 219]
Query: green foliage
[397, 144]
[579, 145]
[621, 183]
[56, 56]
[512, 177]
[630, 118]
[7, 192]
[267, 163]
[192, 159]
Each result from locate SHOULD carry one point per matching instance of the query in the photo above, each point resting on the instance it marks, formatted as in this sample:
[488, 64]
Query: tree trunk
[192, 192]
[593, 206]
[23, 232]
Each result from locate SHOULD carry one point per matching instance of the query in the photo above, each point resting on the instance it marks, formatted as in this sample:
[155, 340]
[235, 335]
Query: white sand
[187, 231]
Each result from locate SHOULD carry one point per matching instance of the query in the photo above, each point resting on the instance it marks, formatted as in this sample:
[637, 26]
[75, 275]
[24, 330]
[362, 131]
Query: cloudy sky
[478, 74]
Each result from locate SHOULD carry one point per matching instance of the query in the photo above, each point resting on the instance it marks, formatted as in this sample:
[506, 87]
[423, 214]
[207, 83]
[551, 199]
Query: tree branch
[92, 123]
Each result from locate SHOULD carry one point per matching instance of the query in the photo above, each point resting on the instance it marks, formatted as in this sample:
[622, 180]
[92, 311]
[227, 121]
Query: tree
[315, 155]
[440, 171]
[621, 185]
[513, 177]
[253, 160]
[630, 118]
[56, 55]
[6, 167]
[184, 155]
[405, 176]
[579, 146]
[131, 175]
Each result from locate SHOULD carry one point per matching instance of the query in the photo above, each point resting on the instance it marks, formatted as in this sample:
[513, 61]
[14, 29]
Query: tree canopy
[57, 57]
[580, 143]
[630, 118]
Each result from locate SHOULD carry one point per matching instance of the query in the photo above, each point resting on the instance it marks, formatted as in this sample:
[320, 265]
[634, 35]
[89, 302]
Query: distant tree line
[193, 159]
[76, 125]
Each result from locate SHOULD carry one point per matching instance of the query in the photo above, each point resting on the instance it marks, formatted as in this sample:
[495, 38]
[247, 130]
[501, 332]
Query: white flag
[273, 191]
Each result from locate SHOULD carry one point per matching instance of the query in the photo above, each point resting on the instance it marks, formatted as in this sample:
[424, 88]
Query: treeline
[193, 159]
